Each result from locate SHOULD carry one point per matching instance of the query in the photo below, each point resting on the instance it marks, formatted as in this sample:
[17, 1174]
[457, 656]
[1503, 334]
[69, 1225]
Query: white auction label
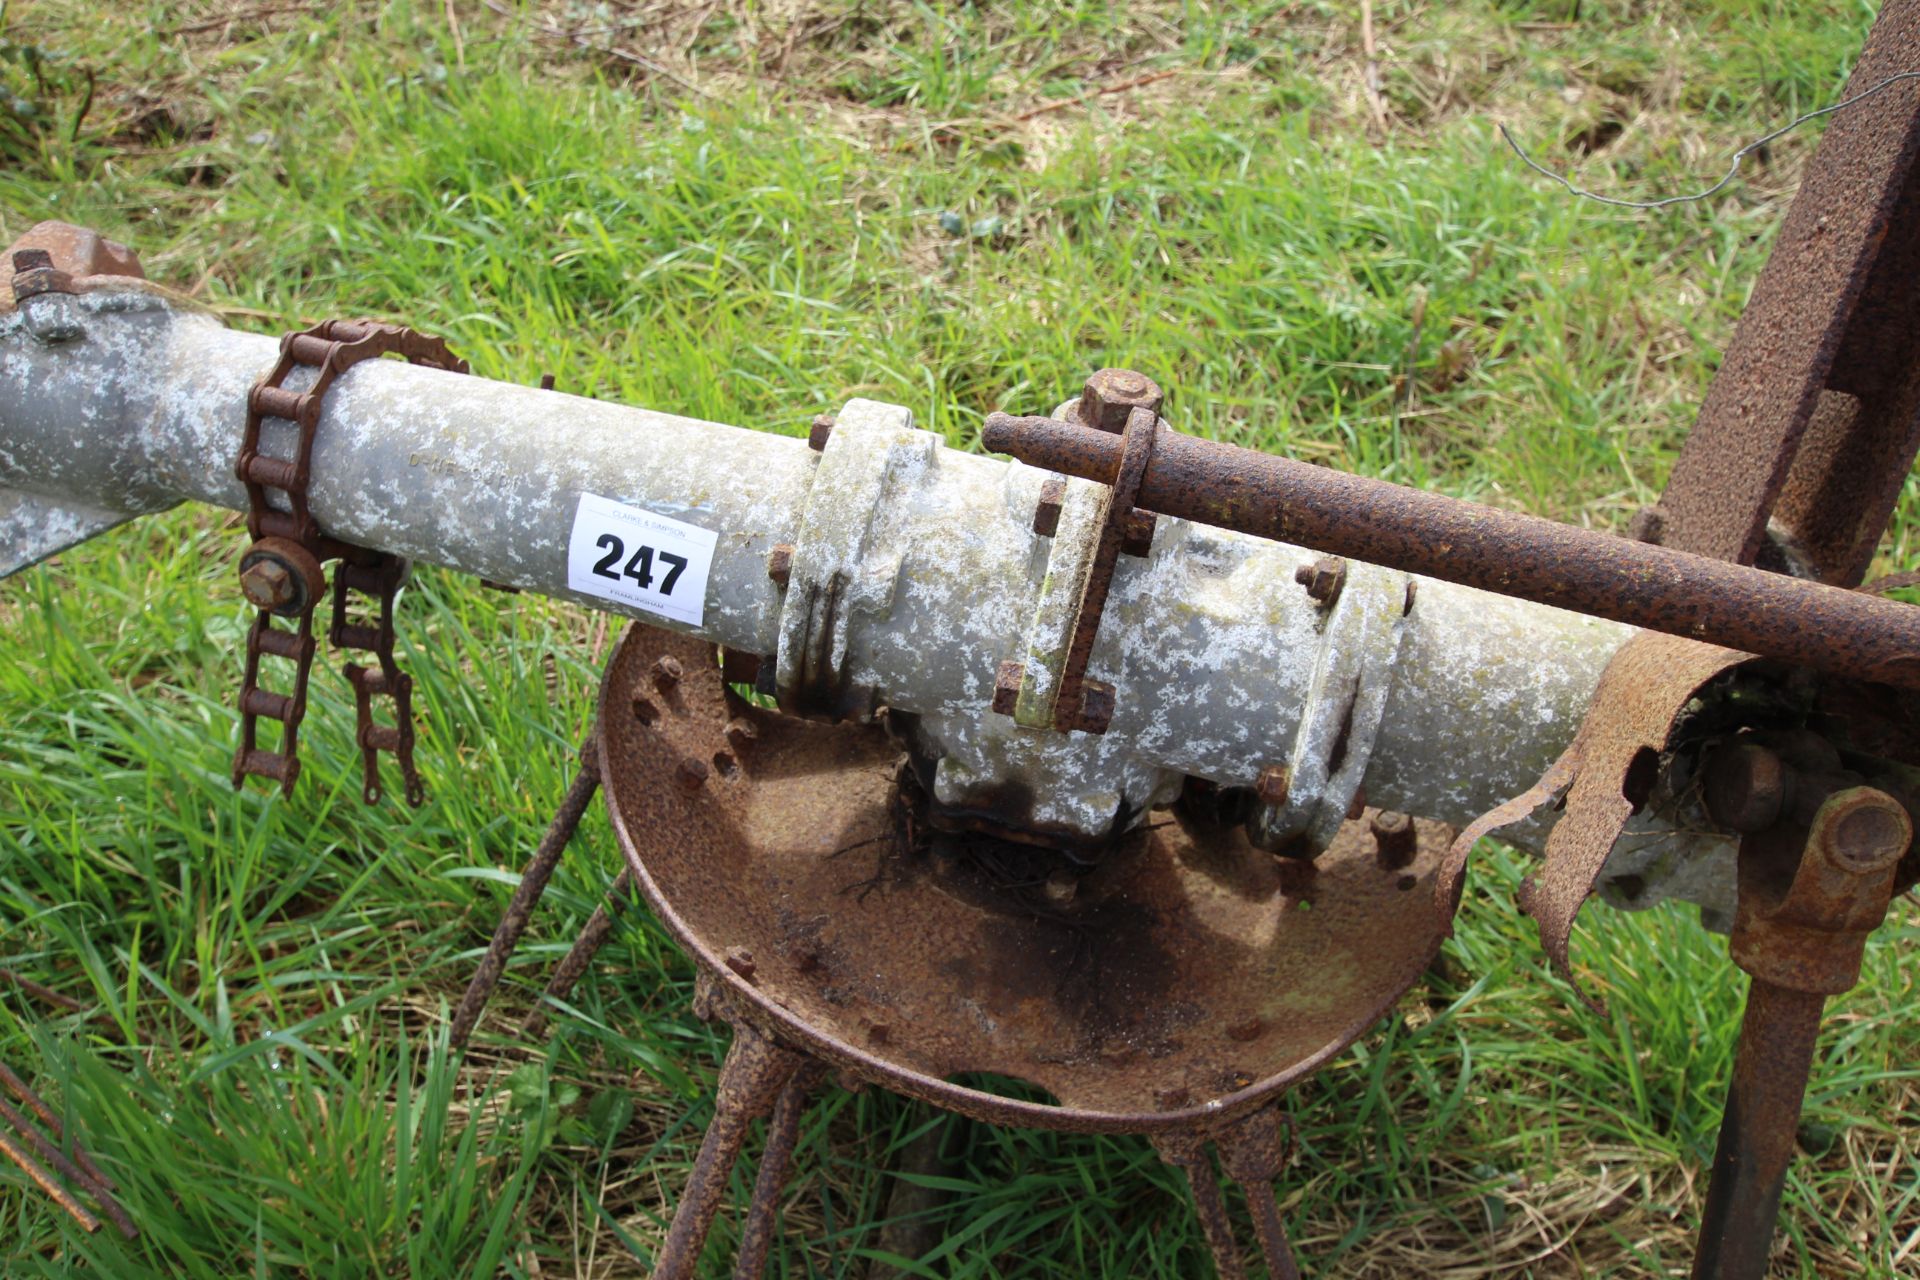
[634, 557]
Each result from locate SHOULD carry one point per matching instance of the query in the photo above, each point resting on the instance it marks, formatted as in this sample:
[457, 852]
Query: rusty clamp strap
[281, 571]
[1084, 703]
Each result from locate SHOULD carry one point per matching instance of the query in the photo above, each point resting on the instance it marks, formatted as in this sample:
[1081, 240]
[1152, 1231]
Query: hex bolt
[1745, 787]
[1323, 579]
[280, 575]
[1111, 394]
[1006, 685]
[1247, 1031]
[741, 733]
[1137, 540]
[780, 564]
[740, 960]
[1096, 706]
[1273, 784]
[1061, 887]
[692, 773]
[819, 432]
[1861, 831]
[266, 584]
[667, 672]
[879, 1033]
[1395, 840]
[35, 274]
[1046, 515]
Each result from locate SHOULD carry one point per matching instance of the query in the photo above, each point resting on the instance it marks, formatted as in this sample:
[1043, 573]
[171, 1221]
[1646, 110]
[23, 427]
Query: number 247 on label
[632, 556]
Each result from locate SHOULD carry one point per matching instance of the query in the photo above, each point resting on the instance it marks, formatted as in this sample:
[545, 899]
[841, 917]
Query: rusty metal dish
[1181, 983]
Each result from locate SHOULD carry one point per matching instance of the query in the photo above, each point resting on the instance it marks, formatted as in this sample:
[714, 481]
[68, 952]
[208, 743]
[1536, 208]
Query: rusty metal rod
[1843, 632]
[573, 966]
[1274, 1247]
[29, 1166]
[1211, 1208]
[533, 883]
[755, 1072]
[1757, 1131]
[776, 1163]
[18, 1088]
[72, 1172]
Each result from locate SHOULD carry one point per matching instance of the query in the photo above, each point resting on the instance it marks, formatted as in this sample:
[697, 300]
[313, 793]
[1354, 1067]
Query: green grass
[261, 1061]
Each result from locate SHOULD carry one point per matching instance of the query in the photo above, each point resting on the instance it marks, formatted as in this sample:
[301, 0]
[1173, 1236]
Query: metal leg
[1809, 896]
[533, 883]
[573, 966]
[776, 1162]
[756, 1071]
[1757, 1132]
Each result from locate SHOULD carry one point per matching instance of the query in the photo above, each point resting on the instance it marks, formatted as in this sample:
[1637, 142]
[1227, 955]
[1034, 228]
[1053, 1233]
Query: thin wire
[1732, 168]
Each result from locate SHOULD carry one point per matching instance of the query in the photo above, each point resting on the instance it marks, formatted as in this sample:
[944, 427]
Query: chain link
[282, 574]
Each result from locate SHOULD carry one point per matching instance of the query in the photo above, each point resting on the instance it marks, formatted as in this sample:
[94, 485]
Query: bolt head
[819, 432]
[266, 584]
[1137, 539]
[1323, 579]
[1096, 707]
[692, 773]
[741, 733]
[1046, 515]
[780, 564]
[1273, 784]
[1744, 787]
[1006, 686]
[740, 960]
[667, 672]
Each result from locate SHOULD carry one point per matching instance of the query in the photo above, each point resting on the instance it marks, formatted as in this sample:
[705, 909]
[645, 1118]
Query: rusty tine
[756, 1071]
[67, 1169]
[38, 992]
[533, 883]
[776, 1162]
[59, 1195]
[573, 965]
[18, 1088]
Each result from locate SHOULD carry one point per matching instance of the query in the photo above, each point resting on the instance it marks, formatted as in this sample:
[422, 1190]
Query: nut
[1323, 579]
[1006, 685]
[1395, 840]
[780, 564]
[1061, 887]
[1137, 540]
[1046, 516]
[818, 433]
[1111, 394]
[1273, 784]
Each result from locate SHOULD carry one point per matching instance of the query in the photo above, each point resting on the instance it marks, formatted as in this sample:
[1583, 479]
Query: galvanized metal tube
[914, 572]
[1595, 573]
